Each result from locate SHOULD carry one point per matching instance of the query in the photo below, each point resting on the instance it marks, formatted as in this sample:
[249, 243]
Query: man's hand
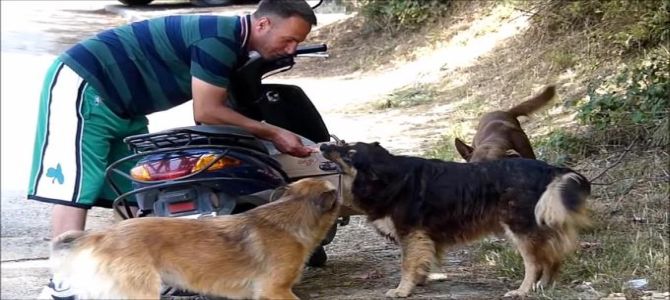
[209, 108]
[289, 142]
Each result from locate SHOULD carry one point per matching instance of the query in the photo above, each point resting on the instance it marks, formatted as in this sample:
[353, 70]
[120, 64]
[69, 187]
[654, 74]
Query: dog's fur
[257, 254]
[499, 134]
[428, 205]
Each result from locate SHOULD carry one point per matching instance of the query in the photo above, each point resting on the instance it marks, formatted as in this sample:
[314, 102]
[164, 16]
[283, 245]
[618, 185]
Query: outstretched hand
[288, 142]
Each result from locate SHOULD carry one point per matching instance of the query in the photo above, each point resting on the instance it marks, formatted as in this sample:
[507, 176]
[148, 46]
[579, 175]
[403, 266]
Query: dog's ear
[325, 201]
[511, 153]
[463, 149]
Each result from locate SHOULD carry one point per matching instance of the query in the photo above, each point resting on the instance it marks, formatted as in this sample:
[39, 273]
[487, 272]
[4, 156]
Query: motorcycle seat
[195, 135]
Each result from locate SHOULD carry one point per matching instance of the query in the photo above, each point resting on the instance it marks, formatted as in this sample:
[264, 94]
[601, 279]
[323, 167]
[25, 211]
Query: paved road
[33, 32]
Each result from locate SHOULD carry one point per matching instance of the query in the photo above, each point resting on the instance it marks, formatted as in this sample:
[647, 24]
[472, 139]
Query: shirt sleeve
[212, 61]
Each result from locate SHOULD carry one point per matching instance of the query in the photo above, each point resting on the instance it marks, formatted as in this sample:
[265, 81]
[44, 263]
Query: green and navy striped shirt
[146, 66]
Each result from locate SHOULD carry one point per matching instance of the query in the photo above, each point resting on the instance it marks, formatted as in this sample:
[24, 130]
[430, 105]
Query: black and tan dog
[257, 254]
[429, 205]
[499, 134]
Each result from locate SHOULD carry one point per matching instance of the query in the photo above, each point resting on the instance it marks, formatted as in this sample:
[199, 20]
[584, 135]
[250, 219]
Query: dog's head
[483, 153]
[357, 157]
[312, 205]
[367, 168]
[319, 196]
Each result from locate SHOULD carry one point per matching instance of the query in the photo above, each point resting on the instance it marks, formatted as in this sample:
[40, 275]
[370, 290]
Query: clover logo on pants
[56, 174]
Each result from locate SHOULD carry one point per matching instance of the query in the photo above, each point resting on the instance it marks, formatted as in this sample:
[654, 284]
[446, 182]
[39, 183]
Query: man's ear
[463, 149]
[263, 23]
[326, 201]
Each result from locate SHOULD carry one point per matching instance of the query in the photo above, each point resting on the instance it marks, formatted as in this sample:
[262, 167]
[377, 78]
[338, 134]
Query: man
[100, 90]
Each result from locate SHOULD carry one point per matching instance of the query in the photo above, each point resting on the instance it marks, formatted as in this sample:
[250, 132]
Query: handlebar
[307, 49]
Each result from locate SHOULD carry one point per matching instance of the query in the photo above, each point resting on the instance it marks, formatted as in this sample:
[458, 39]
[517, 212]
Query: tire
[318, 258]
[205, 3]
[242, 208]
[330, 235]
[135, 2]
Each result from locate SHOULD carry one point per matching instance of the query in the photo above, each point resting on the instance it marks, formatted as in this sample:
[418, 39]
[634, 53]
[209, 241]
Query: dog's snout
[325, 147]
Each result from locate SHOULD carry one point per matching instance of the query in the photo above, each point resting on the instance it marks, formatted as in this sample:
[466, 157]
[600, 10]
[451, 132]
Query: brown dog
[257, 254]
[428, 205]
[499, 133]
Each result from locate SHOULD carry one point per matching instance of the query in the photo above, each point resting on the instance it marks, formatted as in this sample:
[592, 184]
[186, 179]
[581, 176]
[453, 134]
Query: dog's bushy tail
[529, 106]
[563, 203]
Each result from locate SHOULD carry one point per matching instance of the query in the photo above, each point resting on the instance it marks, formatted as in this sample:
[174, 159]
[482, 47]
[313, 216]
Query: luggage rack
[195, 135]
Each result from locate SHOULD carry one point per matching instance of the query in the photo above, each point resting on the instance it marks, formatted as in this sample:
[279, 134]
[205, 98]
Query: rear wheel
[318, 258]
[135, 2]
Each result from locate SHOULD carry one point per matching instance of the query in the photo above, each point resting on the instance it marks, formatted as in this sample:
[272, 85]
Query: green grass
[408, 97]
[444, 150]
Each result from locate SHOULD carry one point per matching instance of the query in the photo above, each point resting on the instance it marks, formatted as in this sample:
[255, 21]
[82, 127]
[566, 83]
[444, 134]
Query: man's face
[279, 37]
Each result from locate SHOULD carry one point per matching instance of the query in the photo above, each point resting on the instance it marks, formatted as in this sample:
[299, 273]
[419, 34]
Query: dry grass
[355, 48]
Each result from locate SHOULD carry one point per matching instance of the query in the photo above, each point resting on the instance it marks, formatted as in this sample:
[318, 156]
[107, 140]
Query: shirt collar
[245, 28]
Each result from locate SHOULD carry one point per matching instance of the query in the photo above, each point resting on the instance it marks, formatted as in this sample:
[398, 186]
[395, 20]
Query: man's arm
[209, 107]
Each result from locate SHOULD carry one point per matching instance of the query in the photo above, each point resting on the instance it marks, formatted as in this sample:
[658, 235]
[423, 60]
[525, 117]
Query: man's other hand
[289, 142]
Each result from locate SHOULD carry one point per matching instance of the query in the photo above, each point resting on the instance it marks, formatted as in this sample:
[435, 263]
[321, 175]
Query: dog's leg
[553, 250]
[532, 265]
[549, 272]
[436, 273]
[279, 293]
[521, 144]
[279, 285]
[418, 255]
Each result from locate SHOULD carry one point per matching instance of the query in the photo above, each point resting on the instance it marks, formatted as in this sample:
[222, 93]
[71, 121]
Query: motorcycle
[212, 170]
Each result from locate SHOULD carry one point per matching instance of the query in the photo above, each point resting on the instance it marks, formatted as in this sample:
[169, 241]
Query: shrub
[632, 104]
[626, 25]
[397, 15]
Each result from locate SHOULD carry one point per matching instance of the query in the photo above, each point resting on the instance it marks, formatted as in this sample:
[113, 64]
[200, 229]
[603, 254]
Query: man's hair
[286, 9]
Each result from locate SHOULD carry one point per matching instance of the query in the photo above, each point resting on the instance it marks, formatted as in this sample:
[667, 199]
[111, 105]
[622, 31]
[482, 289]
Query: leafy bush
[624, 24]
[633, 105]
[561, 147]
[635, 102]
[397, 15]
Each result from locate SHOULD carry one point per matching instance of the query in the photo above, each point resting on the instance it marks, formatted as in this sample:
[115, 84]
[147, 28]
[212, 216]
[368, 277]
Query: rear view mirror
[314, 3]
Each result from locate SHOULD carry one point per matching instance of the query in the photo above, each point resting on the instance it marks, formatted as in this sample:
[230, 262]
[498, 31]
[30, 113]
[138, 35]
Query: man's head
[278, 26]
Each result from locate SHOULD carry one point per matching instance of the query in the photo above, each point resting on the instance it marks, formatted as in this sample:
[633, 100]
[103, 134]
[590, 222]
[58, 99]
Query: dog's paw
[437, 277]
[397, 293]
[515, 294]
[431, 278]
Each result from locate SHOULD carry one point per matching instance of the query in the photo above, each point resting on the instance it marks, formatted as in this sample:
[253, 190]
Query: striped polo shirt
[146, 66]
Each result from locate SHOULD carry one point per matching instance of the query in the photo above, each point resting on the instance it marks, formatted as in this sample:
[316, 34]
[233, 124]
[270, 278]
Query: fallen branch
[530, 13]
[613, 165]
